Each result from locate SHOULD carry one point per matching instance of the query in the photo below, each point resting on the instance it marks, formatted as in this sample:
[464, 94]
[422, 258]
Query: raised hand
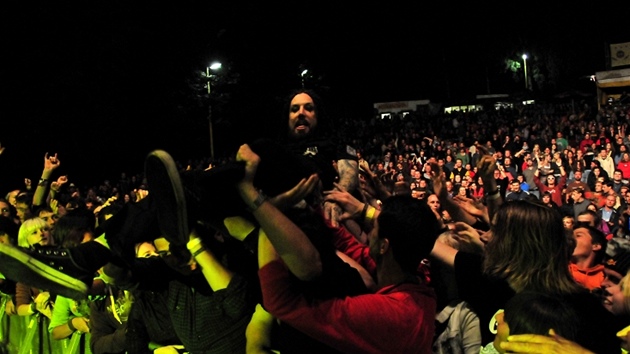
[51, 162]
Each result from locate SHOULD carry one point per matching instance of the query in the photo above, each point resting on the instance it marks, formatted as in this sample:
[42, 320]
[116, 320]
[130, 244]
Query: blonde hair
[27, 228]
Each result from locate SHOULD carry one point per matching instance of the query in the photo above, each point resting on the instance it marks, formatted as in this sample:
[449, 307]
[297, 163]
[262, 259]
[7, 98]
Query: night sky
[103, 83]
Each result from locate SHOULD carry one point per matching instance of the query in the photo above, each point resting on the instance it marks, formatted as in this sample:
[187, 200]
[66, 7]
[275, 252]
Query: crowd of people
[474, 232]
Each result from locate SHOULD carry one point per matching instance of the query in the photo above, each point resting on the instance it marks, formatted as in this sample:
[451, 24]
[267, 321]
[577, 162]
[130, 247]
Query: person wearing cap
[586, 260]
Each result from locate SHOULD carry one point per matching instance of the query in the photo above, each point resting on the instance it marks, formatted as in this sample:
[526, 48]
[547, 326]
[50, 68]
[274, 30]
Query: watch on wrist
[258, 201]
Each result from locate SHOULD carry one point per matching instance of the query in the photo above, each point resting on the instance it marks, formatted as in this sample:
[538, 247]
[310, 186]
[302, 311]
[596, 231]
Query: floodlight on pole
[215, 66]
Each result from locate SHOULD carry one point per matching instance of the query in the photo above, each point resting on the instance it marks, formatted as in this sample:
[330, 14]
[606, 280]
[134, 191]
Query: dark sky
[103, 83]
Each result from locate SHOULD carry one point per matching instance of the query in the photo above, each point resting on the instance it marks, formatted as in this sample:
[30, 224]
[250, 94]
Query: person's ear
[384, 246]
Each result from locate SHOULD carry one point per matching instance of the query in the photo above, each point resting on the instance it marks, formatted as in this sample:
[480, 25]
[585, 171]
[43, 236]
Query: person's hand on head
[542, 344]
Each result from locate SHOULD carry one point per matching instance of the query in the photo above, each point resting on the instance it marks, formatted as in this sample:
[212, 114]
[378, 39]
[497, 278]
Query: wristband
[364, 211]
[71, 326]
[369, 216]
[198, 252]
[258, 202]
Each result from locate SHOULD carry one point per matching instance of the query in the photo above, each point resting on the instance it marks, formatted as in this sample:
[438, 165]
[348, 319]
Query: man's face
[576, 195]
[617, 176]
[584, 246]
[603, 153]
[50, 218]
[302, 117]
[613, 298]
[610, 201]
[551, 180]
[434, 202]
[515, 187]
[568, 223]
[578, 175]
[23, 211]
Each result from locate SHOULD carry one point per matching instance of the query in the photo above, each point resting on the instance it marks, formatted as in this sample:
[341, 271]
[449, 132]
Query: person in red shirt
[586, 142]
[403, 306]
[624, 165]
[555, 189]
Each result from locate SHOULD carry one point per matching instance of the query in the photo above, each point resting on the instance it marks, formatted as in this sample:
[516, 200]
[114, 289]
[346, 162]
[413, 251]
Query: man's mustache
[302, 121]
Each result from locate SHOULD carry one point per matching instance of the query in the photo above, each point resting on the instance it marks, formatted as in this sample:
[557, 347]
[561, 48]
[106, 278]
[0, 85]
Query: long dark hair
[323, 121]
[529, 249]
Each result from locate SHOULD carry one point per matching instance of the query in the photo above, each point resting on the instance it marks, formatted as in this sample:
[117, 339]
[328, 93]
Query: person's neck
[388, 272]
[584, 263]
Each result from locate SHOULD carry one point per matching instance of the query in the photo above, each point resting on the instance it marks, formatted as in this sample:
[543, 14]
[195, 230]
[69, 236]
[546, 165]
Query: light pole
[525, 66]
[214, 67]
